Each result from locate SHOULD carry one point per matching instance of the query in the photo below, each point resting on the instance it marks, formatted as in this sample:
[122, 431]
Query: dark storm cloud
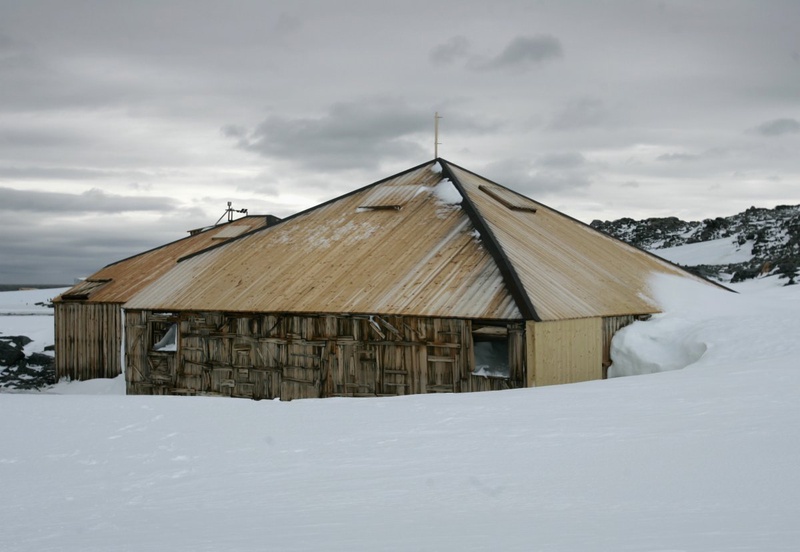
[524, 51]
[456, 48]
[91, 201]
[777, 127]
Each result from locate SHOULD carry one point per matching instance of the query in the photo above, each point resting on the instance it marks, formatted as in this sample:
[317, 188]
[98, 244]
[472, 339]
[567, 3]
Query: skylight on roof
[508, 198]
[389, 197]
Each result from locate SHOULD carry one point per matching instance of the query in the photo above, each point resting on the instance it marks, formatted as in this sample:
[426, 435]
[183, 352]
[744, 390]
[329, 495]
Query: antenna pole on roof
[436, 142]
[229, 213]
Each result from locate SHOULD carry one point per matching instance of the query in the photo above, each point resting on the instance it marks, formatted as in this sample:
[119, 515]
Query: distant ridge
[770, 236]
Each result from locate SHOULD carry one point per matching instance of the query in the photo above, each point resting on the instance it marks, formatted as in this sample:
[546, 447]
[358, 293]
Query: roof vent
[384, 198]
[508, 198]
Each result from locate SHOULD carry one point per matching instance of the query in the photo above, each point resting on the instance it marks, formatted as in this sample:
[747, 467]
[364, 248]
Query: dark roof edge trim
[507, 270]
[290, 217]
[662, 259]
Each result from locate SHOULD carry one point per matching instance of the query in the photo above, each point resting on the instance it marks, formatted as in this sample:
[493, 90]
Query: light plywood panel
[564, 351]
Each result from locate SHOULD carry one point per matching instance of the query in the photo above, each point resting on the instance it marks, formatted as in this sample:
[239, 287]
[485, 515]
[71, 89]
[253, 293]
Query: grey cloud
[91, 201]
[454, 49]
[531, 179]
[358, 134]
[670, 157]
[287, 23]
[44, 255]
[62, 173]
[524, 51]
[630, 184]
[683, 157]
[349, 135]
[578, 114]
[778, 127]
[565, 160]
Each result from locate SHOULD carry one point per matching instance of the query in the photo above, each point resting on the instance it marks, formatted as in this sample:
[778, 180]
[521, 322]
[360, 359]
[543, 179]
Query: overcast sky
[124, 124]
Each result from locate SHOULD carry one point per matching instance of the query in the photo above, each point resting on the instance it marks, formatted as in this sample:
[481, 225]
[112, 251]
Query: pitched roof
[119, 281]
[436, 240]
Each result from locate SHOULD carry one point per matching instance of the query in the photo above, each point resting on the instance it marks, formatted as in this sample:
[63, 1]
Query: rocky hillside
[769, 240]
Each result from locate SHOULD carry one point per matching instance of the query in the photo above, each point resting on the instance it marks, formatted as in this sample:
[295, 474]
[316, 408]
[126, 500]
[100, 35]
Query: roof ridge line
[507, 270]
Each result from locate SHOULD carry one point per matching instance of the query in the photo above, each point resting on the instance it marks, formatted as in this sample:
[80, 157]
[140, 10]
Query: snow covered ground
[713, 252]
[695, 459]
[21, 315]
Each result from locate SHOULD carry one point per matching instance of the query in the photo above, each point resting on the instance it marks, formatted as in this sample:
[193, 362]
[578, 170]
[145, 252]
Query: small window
[164, 336]
[490, 346]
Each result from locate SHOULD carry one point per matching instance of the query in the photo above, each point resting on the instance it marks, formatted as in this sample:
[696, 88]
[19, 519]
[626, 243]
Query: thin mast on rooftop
[436, 142]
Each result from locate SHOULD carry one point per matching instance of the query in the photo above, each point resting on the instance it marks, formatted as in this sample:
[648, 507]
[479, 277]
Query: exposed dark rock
[11, 349]
[773, 236]
[18, 371]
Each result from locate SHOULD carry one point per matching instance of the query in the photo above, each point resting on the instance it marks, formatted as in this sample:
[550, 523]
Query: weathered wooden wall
[564, 351]
[291, 357]
[611, 325]
[88, 337]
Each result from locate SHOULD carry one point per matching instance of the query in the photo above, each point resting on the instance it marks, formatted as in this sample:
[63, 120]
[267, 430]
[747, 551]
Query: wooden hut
[432, 280]
[88, 321]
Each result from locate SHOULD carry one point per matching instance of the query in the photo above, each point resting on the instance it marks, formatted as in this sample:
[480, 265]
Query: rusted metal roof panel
[120, 281]
[423, 259]
[568, 269]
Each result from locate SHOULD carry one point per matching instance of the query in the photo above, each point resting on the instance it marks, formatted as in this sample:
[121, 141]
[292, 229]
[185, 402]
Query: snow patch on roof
[447, 193]
[350, 232]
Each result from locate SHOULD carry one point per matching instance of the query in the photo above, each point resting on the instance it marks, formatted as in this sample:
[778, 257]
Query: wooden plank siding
[88, 339]
[286, 356]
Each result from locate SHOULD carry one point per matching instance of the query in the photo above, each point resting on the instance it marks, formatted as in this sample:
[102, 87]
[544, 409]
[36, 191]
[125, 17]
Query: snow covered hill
[755, 242]
[699, 455]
